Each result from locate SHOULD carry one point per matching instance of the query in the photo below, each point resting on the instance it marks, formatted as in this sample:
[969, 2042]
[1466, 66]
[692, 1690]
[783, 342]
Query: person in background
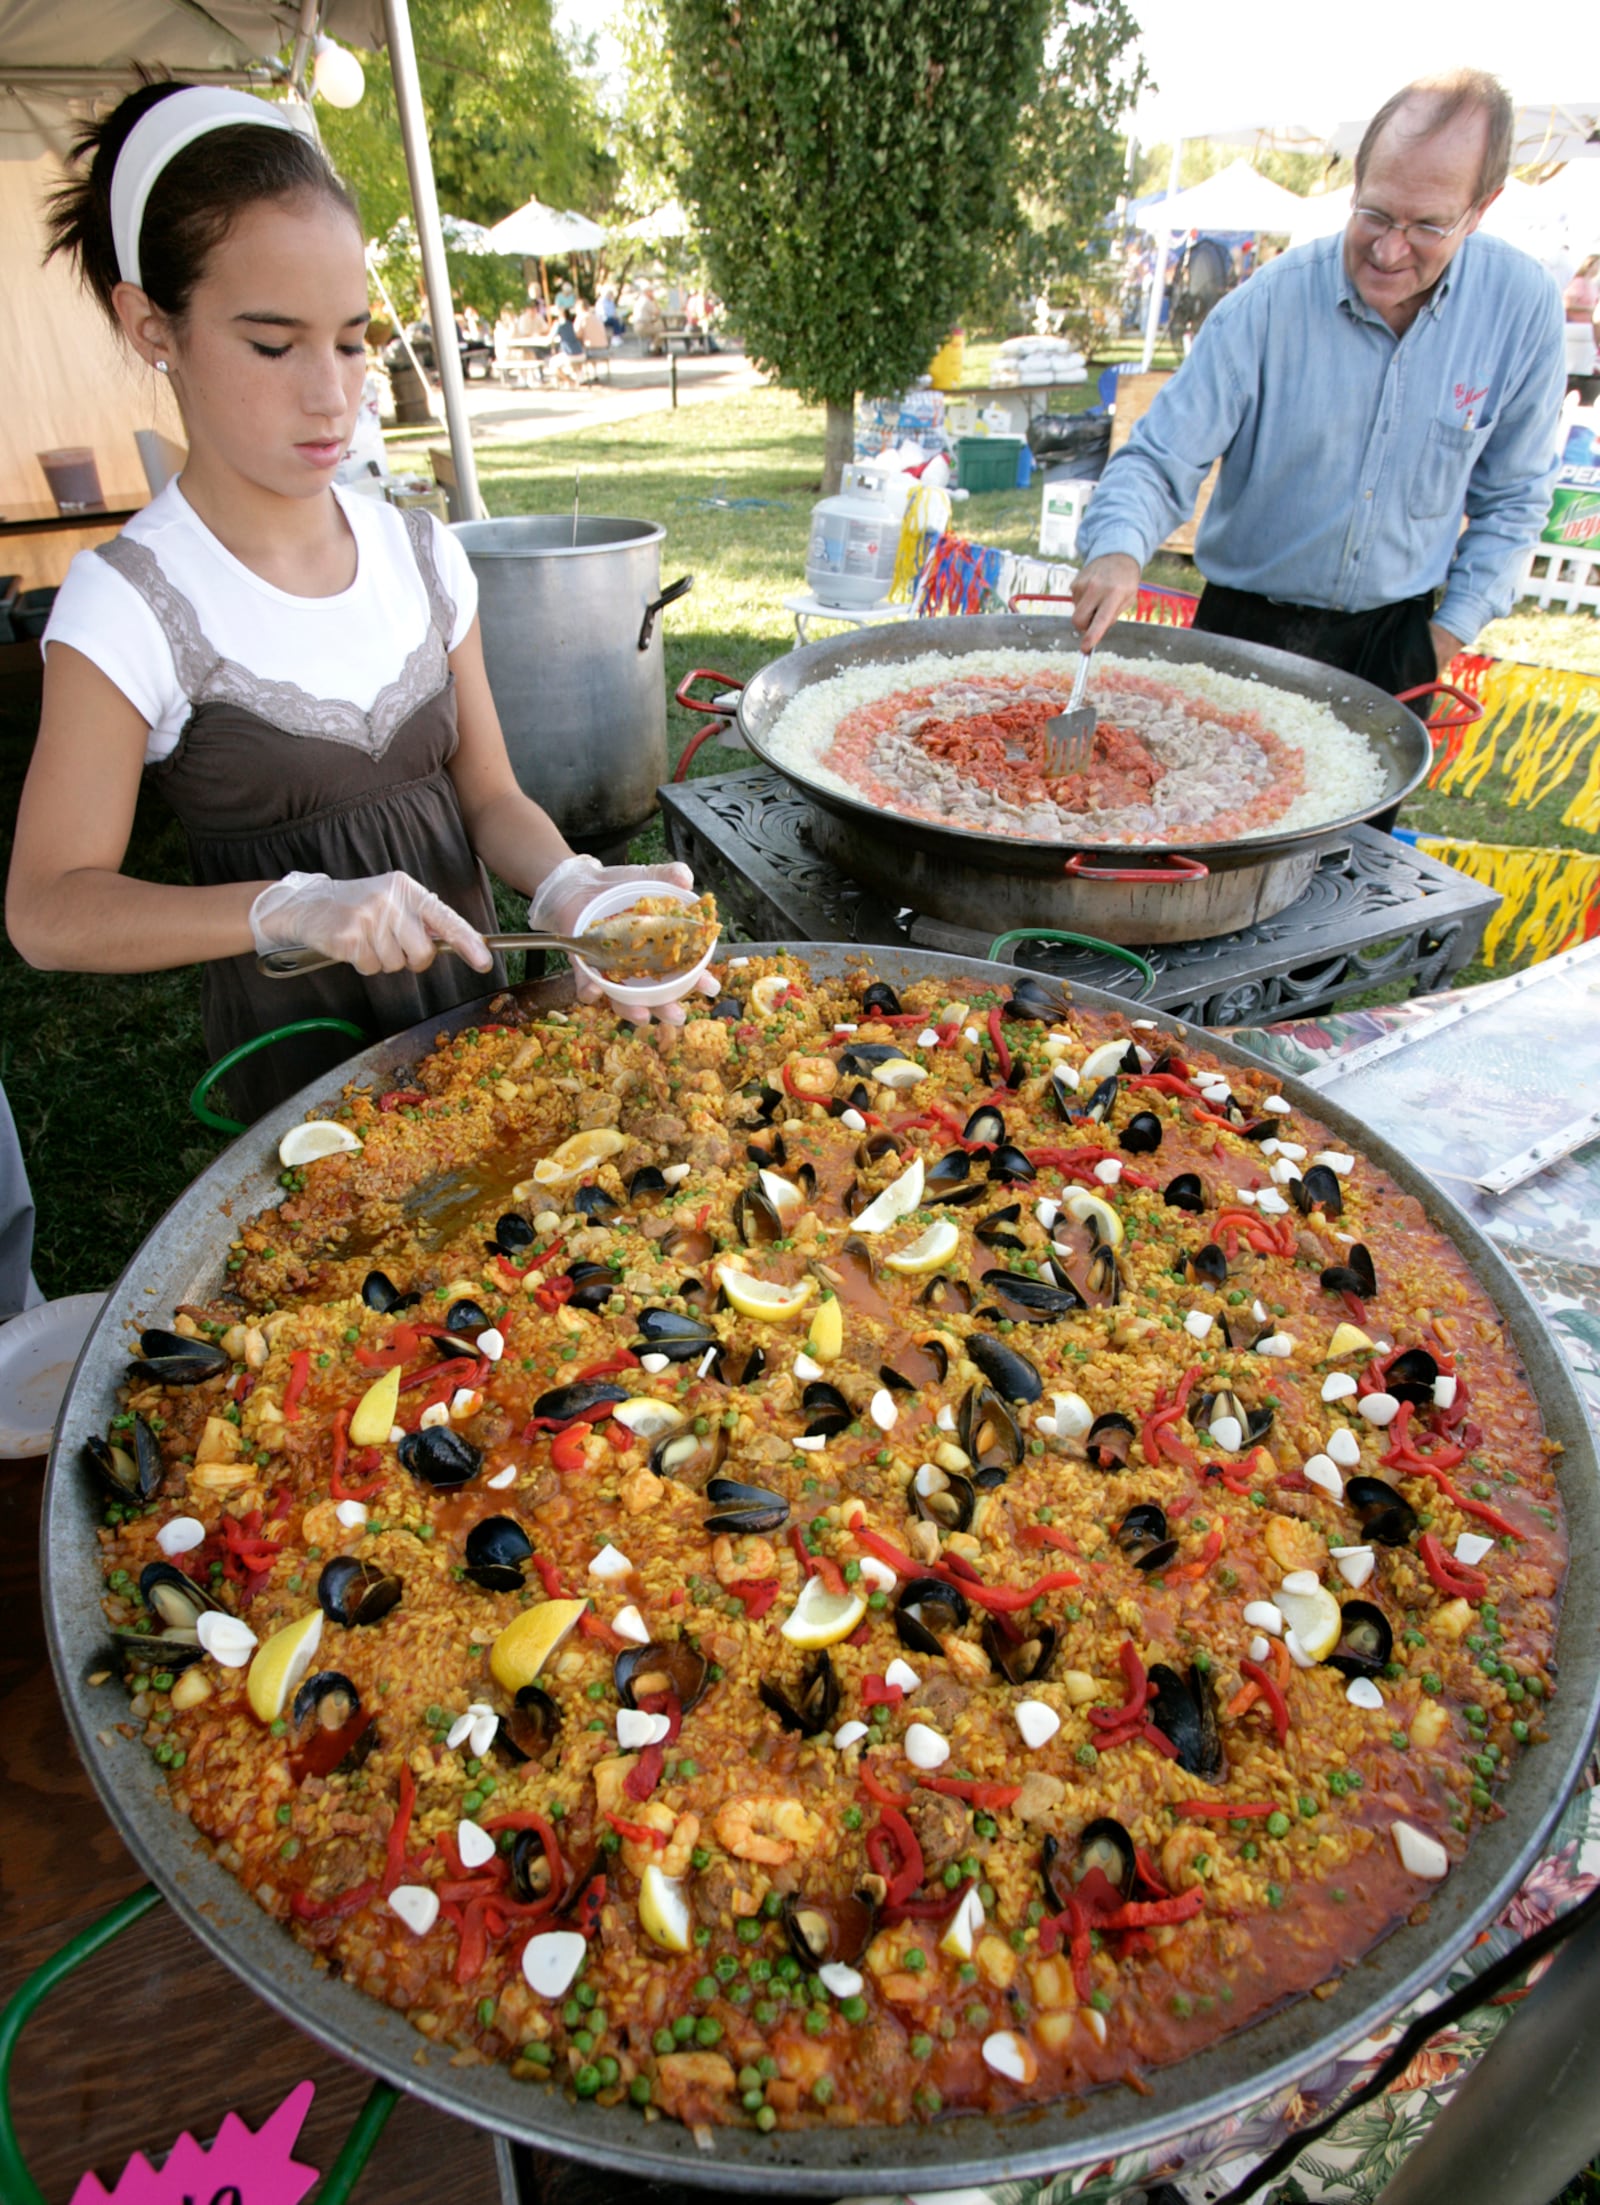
[566, 297]
[570, 357]
[592, 331]
[17, 1289]
[1581, 304]
[611, 313]
[1362, 392]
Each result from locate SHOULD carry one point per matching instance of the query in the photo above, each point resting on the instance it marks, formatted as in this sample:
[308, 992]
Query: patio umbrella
[539, 232]
[668, 222]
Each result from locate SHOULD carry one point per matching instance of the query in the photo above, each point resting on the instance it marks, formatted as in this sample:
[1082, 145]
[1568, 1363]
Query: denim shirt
[1349, 454]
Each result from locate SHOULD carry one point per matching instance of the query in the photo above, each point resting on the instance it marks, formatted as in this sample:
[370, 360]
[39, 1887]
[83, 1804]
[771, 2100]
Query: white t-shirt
[345, 648]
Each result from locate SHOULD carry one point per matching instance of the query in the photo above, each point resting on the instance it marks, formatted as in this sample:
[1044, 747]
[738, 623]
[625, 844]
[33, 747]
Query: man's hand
[1102, 593]
[1445, 645]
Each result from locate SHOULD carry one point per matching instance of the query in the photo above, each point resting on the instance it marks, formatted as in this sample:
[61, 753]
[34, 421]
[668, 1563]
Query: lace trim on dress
[206, 677]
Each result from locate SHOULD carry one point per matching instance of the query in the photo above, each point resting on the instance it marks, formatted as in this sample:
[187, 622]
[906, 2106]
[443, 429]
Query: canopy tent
[58, 57]
[1543, 133]
[1238, 197]
[660, 228]
[539, 232]
[1320, 215]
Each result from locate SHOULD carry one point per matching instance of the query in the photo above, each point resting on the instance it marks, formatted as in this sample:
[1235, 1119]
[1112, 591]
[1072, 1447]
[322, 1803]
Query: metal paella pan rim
[181, 1259]
[1396, 733]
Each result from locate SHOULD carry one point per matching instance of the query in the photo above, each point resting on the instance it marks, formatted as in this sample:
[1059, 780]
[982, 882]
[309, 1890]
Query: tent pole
[430, 237]
[1158, 273]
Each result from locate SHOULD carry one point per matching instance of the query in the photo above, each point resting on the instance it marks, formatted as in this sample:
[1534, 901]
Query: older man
[1362, 393]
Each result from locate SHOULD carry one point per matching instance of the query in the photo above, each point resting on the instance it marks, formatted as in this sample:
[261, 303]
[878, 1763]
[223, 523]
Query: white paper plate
[37, 1352]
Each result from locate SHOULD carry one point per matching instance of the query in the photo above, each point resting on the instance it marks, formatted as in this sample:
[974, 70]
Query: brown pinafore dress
[267, 779]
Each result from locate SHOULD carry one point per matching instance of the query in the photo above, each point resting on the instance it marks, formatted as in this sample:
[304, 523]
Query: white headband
[160, 133]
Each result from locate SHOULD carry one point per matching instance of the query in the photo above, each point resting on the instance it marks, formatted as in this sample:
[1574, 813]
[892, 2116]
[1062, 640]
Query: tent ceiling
[1238, 197]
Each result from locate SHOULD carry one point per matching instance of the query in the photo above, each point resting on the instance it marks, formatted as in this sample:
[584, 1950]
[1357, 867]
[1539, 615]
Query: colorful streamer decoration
[1551, 898]
[1540, 735]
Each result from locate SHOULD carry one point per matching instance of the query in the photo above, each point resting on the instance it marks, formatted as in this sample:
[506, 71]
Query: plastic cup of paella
[647, 995]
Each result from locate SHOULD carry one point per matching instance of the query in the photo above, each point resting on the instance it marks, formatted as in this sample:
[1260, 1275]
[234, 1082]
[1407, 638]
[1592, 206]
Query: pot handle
[1037, 597]
[1468, 709]
[669, 596]
[721, 706]
[1175, 868]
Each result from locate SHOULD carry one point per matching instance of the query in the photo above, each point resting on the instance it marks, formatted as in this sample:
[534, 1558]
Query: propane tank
[856, 535]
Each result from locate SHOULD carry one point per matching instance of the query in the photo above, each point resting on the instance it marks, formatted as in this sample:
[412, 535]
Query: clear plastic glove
[563, 896]
[390, 923]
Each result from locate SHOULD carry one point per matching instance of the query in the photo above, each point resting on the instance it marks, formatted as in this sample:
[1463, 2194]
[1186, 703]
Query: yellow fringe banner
[1551, 897]
[1540, 732]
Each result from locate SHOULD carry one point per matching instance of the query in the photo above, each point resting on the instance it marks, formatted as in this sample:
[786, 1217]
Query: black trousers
[1389, 646]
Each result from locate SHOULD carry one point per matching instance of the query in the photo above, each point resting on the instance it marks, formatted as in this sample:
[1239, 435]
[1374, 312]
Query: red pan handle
[684, 693]
[1175, 868]
[1468, 709]
[1037, 597]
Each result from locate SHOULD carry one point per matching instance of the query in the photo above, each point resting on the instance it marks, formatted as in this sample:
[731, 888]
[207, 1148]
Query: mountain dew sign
[1574, 520]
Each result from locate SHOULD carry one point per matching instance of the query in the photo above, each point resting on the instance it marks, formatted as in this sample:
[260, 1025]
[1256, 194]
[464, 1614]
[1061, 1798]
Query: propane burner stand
[1376, 911]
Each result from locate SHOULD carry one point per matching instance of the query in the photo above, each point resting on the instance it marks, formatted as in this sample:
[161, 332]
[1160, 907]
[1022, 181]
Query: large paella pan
[183, 1263]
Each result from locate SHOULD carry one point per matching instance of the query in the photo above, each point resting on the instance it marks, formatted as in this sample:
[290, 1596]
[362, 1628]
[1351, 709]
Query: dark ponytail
[198, 197]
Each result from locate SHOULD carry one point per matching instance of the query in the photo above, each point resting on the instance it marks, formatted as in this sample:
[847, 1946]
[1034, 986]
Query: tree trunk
[838, 446]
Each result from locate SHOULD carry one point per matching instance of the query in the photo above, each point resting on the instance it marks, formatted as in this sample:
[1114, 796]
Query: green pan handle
[1003, 942]
[224, 1065]
[17, 2185]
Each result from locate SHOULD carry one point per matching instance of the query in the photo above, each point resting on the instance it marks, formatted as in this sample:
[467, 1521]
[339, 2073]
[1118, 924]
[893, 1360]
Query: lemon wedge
[664, 1911]
[1314, 1618]
[1347, 1340]
[782, 1193]
[821, 1618]
[937, 1245]
[376, 1411]
[576, 1156]
[280, 1665]
[898, 1199]
[770, 1300]
[1088, 1208]
[825, 1340]
[965, 1926]
[766, 997]
[528, 1641]
[304, 1144]
[1101, 1062]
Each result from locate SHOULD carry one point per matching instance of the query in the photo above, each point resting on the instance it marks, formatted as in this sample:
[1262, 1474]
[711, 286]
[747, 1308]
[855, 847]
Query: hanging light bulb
[338, 76]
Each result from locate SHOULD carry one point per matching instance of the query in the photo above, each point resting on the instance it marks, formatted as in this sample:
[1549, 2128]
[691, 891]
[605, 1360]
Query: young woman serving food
[298, 672]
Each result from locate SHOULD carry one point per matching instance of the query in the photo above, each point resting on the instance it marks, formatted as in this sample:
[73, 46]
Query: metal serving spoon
[1069, 737]
[631, 946]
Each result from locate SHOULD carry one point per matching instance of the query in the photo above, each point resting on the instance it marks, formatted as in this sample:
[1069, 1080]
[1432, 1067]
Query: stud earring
[161, 367]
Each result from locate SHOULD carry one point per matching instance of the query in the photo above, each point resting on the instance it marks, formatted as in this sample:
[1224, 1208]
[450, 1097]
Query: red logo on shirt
[1466, 396]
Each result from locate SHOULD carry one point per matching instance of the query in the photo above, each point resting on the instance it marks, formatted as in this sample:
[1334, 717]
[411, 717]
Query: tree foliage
[850, 163]
[1070, 150]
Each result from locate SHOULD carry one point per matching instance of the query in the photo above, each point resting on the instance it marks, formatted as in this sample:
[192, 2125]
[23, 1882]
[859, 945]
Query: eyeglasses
[1381, 225]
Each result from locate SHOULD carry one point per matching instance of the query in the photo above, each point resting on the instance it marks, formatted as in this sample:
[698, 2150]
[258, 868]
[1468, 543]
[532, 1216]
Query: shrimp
[1179, 1854]
[737, 1560]
[967, 1661]
[767, 1827]
[320, 1526]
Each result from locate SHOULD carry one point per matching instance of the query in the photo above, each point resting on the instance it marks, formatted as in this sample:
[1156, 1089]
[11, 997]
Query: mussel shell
[1185, 1192]
[829, 1931]
[439, 1456]
[950, 1181]
[921, 1363]
[1021, 1656]
[173, 1597]
[689, 1244]
[146, 1650]
[327, 1699]
[128, 1460]
[739, 1508]
[1384, 1514]
[991, 1437]
[1141, 1136]
[732, 1366]
[728, 1007]
[1103, 1277]
[529, 1731]
[1034, 996]
[1028, 1300]
[563, 1403]
[1008, 1164]
[1143, 1527]
[593, 1285]
[924, 1605]
[767, 1145]
[1184, 1712]
[992, 1230]
[1102, 1844]
[986, 1128]
[1410, 1377]
[497, 1547]
[1109, 1440]
[513, 1233]
[1354, 1276]
[1013, 1377]
[648, 1184]
[530, 1866]
[689, 1458]
[1208, 1264]
[871, 1151]
[466, 1319]
[755, 1220]
[1101, 1100]
[949, 1506]
[817, 1705]
[953, 1296]
[1366, 1641]
[862, 1058]
[665, 1665]
[172, 1360]
[1318, 1189]
[879, 1000]
[594, 1203]
[380, 1293]
[827, 1411]
[353, 1593]
[673, 1333]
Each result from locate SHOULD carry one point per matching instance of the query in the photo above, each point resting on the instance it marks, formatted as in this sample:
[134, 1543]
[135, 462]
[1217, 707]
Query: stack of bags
[915, 417]
[1034, 362]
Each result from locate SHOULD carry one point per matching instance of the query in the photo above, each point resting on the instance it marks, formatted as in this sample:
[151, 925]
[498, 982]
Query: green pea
[586, 2082]
[916, 1959]
[766, 2120]
[705, 1987]
[1274, 1894]
[486, 2012]
[822, 2090]
[708, 2030]
[639, 2090]
[1278, 1825]
[537, 2055]
[583, 2040]
[853, 2009]
[682, 2028]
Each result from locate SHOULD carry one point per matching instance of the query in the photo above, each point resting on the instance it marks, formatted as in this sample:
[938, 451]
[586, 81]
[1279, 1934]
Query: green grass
[98, 1069]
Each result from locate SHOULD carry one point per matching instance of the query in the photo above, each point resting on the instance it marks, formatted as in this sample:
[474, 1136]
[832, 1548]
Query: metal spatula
[1069, 737]
[629, 947]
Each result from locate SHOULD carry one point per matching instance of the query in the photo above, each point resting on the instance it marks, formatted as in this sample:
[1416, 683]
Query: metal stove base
[1377, 911]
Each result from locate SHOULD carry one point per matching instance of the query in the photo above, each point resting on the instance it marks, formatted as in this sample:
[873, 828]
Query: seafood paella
[1185, 753]
[870, 1556]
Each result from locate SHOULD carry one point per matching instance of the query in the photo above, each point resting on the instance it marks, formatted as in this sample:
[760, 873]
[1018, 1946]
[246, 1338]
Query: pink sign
[242, 2167]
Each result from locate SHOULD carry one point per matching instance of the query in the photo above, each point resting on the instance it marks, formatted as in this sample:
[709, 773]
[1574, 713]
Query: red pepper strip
[757, 1593]
[1070, 1927]
[1138, 1697]
[1212, 1810]
[668, 1704]
[1406, 1456]
[528, 1818]
[596, 1626]
[398, 1098]
[554, 1293]
[399, 1831]
[803, 1554]
[549, 1577]
[1159, 1740]
[942, 1904]
[389, 1358]
[456, 1368]
[1356, 1307]
[876, 1789]
[299, 1379]
[1002, 1054]
[473, 1949]
[1457, 1580]
[1272, 1692]
[831, 1574]
[642, 1779]
[1008, 1599]
[892, 1829]
[1046, 1535]
[1166, 1083]
[800, 1094]
[1186, 1572]
[638, 1833]
[876, 1693]
[567, 1449]
[1145, 1869]
[306, 1909]
[1154, 1913]
[624, 1359]
[987, 1798]
[369, 1465]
